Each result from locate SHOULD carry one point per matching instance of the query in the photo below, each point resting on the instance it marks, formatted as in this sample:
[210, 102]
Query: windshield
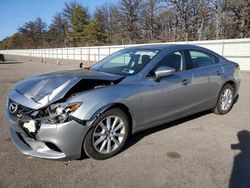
[125, 62]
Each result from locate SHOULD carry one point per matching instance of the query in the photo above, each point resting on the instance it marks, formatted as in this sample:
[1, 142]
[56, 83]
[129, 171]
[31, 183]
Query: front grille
[21, 116]
[21, 110]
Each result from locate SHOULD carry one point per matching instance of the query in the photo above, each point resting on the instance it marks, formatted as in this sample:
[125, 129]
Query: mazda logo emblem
[13, 108]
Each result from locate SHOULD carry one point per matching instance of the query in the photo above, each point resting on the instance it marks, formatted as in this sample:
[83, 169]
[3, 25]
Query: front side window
[174, 60]
[201, 59]
[125, 62]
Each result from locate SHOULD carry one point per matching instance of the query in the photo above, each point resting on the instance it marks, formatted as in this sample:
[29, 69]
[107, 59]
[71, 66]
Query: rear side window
[201, 59]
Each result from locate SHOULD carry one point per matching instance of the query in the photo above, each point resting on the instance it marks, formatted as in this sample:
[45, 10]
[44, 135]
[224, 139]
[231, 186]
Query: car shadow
[240, 176]
[140, 135]
[10, 62]
[236, 98]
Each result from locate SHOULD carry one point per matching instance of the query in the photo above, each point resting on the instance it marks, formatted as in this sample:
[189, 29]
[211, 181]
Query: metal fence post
[88, 56]
[81, 54]
[67, 53]
[222, 52]
[98, 54]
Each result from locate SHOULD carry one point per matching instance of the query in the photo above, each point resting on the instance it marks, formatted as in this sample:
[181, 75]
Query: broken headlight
[62, 112]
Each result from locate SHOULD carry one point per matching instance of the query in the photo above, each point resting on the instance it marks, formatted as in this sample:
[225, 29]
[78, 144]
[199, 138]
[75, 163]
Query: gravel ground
[203, 150]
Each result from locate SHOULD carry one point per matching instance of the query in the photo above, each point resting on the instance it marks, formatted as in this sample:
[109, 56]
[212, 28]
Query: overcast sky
[14, 13]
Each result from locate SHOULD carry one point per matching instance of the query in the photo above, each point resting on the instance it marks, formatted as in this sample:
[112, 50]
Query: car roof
[170, 47]
[163, 46]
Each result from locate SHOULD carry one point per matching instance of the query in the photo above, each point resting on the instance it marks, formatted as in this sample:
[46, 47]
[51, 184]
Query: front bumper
[52, 141]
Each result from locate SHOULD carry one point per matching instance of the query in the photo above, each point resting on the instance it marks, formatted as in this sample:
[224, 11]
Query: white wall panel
[237, 50]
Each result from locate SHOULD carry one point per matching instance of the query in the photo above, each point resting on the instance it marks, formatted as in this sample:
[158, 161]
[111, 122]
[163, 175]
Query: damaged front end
[41, 118]
[50, 132]
[54, 114]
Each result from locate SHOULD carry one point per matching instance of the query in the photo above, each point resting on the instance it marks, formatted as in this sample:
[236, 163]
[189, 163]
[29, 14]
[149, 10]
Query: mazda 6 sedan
[63, 114]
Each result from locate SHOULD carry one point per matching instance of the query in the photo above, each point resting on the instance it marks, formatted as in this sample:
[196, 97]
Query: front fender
[96, 101]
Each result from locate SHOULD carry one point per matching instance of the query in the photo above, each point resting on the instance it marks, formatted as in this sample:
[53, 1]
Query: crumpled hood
[48, 88]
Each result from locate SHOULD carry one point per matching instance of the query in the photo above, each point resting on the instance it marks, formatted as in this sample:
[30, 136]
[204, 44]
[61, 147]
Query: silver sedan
[94, 110]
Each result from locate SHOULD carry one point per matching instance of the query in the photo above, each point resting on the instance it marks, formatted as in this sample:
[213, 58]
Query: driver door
[168, 98]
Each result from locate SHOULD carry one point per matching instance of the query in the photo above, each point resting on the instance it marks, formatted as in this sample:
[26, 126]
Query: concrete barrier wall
[237, 50]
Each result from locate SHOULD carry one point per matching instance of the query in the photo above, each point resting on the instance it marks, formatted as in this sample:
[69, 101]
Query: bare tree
[150, 18]
[183, 14]
[116, 28]
[136, 21]
[34, 33]
[57, 33]
[199, 18]
[240, 11]
[130, 10]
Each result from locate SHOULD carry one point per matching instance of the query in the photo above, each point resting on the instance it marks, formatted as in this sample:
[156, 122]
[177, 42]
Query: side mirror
[163, 71]
[81, 65]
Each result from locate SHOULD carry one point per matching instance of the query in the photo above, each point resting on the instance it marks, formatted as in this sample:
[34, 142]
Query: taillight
[237, 66]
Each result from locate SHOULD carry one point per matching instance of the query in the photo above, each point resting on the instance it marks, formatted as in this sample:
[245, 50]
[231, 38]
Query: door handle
[186, 81]
[219, 72]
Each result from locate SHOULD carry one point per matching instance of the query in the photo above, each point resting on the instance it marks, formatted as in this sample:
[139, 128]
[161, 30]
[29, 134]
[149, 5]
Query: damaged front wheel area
[108, 135]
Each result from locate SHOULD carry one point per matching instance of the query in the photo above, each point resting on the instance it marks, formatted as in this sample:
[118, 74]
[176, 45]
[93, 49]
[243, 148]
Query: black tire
[88, 144]
[218, 108]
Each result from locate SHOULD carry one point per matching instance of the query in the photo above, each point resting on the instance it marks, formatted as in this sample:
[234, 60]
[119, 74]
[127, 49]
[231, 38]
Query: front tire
[108, 135]
[225, 100]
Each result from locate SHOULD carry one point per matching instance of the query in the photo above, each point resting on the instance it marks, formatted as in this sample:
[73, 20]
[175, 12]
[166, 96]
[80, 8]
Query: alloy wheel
[226, 99]
[108, 134]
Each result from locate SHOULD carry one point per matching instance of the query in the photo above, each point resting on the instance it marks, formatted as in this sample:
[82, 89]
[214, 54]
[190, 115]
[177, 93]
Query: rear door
[207, 77]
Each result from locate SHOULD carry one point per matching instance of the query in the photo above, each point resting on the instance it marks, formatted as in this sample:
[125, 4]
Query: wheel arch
[231, 82]
[121, 106]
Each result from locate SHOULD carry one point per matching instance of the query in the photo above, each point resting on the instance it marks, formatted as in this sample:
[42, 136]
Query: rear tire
[108, 135]
[225, 100]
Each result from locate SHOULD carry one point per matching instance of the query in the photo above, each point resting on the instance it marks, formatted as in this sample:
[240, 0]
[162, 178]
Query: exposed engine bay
[48, 88]
[84, 85]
